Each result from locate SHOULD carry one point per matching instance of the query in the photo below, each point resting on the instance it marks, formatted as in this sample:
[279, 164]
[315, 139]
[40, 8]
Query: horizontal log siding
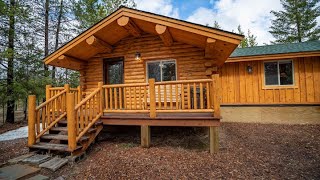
[190, 60]
[240, 87]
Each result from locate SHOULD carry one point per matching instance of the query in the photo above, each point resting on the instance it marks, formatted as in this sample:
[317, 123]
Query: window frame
[279, 86]
[161, 61]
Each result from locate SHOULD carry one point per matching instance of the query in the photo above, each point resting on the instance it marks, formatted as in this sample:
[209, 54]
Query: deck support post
[31, 120]
[71, 122]
[215, 97]
[48, 92]
[145, 129]
[145, 136]
[214, 139]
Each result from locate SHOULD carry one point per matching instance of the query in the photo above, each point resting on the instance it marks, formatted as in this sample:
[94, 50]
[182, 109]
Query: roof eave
[273, 56]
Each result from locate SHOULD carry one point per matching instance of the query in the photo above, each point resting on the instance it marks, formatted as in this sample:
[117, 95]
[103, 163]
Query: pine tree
[249, 39]
[297, 22]
[252, 39]
[216, 25]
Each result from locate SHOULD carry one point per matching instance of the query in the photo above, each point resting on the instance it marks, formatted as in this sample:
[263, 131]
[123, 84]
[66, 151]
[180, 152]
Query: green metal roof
[277, 49]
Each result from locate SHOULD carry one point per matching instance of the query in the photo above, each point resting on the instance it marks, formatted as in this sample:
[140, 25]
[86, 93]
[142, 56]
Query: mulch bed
[247, 151]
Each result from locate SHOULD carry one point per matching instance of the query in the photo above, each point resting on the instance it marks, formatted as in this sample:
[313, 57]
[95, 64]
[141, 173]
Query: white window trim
[278, 73]
[161, 61]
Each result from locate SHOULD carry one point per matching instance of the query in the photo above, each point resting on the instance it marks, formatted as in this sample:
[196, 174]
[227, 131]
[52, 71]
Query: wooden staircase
[56, 141]
[67, 128]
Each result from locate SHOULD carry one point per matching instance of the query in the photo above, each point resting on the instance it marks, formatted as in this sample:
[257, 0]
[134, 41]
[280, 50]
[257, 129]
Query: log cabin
[143, 69]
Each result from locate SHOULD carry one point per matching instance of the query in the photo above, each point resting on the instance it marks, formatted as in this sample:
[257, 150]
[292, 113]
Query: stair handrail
[84, 115]
[46, 115]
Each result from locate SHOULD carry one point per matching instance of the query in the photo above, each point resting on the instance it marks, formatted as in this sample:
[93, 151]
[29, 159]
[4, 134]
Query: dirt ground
[247, 151]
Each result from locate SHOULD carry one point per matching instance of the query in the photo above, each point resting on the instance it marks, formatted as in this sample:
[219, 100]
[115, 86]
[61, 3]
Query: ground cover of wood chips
[248, 151]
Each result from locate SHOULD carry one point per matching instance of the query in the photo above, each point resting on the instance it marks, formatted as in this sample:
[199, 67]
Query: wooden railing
[46, 115]
[183, 96]
[83, 115]
[52, 91]
[126, 97]
[50, 112]
[170, 96]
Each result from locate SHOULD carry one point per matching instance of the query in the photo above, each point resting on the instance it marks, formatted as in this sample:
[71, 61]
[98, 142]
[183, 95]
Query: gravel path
[248, 151]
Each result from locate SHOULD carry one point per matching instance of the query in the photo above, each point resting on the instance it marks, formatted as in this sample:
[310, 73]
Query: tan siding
[250, 87]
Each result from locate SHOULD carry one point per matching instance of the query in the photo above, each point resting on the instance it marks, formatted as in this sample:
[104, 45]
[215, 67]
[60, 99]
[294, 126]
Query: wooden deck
[75, 121]
[162, 119]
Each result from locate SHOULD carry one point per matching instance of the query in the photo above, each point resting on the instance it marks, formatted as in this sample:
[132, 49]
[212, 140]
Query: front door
[113, 71]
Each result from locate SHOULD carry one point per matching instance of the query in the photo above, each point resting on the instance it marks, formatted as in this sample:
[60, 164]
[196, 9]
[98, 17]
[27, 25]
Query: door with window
[113, 71]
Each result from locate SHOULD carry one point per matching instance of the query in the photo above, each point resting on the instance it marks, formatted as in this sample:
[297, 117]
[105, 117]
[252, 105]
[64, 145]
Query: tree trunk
[57, 37]
[298, 22]
[25, 106]
[46, 34]
[10, 95]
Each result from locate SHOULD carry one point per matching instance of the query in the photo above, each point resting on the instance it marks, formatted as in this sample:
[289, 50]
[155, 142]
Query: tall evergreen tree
[297, 22]
[249, 39]
[11, 100]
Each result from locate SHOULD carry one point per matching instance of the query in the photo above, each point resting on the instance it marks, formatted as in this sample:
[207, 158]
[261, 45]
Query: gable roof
[302, 49]
[108, 31]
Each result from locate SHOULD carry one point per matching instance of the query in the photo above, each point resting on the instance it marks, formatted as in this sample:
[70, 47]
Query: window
[162, 70]
[278, 73]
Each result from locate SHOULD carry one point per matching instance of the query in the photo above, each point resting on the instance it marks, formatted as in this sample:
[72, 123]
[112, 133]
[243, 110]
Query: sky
[250, 14]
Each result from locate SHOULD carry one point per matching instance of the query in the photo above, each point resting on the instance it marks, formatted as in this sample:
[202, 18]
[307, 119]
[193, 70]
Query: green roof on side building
[308, 46]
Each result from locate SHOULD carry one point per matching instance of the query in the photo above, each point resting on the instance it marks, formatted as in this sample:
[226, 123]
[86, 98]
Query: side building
[272, 83]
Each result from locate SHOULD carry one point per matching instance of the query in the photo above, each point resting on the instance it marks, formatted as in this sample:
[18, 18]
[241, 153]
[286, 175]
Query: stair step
[51, 146]
[65, 129]
[61, 137]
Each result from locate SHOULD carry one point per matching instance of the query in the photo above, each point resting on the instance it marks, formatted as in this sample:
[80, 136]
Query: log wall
[189, 60]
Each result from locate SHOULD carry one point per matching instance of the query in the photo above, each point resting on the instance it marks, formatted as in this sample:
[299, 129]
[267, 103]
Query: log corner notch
[70, 62]
[99, 44]
[129, 26]
[164, 34]
[209, 50]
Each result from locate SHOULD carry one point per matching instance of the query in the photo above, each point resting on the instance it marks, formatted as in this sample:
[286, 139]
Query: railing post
[152, 98]
[67, 87]
[101, 97]
[31, 120]
[216, 94]
[145, 129]
[48, 92]
[213, 130]
[71, 122]
[79, 93]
